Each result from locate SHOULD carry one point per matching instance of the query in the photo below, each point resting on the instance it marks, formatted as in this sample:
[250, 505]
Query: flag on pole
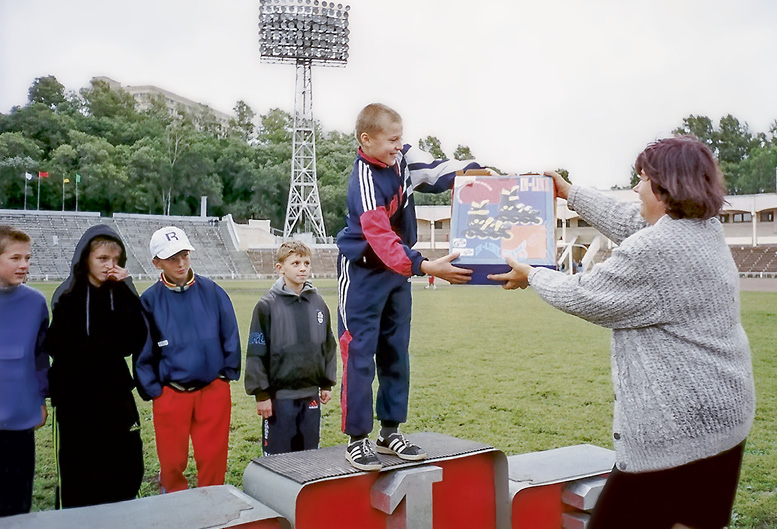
[28, 176]
[78, 178]
[43, 174]
[66, 181]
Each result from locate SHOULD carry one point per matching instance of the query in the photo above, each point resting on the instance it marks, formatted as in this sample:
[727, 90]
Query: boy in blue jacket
[187, 369]
[375, 262]
[24, 368]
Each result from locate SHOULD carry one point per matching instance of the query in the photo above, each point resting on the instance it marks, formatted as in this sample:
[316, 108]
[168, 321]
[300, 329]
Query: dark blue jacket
[291, 348]
[194, 334]
[23, 363]
[381, 222]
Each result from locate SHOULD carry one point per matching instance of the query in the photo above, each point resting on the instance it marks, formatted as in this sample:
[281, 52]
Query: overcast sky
[527, 85]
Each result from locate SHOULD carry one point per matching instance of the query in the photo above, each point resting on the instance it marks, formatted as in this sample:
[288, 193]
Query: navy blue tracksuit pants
[295, 425]
[374, 329]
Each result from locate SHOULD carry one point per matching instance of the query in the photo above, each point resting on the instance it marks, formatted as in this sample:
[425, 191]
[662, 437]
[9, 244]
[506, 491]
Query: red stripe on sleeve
[386, 244]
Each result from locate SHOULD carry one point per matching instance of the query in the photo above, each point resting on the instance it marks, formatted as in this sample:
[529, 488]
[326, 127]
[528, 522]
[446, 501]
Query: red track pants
[204, 415]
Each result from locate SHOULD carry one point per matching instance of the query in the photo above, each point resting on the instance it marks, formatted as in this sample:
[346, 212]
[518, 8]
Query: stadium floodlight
[305, 33]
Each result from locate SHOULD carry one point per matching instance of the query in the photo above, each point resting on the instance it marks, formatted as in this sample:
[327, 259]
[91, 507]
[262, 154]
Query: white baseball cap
[168, 241]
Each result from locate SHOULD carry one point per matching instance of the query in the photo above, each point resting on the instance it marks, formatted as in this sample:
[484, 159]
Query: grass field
[501, 368]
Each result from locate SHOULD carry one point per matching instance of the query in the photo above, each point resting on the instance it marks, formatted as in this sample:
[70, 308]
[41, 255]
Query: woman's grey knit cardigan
[680, 358]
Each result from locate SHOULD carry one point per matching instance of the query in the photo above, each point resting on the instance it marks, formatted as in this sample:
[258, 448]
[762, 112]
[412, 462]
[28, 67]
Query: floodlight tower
[306, 33]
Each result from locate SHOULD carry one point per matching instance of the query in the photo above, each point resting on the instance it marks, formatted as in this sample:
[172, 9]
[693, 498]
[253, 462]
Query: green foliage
[748, 160]
[489, 365]
[431, 144]
[463, 152]
[47, 91]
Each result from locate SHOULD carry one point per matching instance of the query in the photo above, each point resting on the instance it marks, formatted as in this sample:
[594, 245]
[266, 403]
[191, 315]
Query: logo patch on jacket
[313, 405]
[256, 338]
[320, 317]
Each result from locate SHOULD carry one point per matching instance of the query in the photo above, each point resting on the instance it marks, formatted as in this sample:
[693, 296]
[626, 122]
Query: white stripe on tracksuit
[366, 187]
[343, 283]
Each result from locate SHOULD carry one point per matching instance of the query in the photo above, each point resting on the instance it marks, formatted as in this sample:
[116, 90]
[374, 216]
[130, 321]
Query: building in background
[145, 94]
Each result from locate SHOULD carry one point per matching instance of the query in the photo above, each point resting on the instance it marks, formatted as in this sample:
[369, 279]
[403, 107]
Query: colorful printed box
[495, 217]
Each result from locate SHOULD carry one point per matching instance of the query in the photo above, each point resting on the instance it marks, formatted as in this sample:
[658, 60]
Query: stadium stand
[758, 261]
[213, 256]
[324, 261]
[54, 237]
[55, 234]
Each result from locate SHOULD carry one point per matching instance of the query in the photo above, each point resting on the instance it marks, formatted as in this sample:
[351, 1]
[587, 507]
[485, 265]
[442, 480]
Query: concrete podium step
[217, 507]
[462, 484]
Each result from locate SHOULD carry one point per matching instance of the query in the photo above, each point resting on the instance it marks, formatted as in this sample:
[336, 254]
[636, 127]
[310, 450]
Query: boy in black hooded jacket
[97, 322]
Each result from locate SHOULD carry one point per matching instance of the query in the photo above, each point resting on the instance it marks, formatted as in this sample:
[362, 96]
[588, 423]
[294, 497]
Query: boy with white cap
[195, 352]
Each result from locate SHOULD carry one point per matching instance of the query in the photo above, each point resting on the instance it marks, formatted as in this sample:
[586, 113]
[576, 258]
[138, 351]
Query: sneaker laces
[365, 448]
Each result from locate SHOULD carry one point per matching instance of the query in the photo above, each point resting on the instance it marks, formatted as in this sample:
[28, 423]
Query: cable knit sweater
[680, 358]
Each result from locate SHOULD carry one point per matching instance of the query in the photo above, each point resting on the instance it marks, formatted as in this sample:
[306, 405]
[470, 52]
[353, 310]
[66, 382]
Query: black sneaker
[362, 455]
[397, 445]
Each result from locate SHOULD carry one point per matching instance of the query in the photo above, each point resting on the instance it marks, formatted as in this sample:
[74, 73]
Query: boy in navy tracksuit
[290, 363]
[187, 369]
[24, 368]
[374, 266]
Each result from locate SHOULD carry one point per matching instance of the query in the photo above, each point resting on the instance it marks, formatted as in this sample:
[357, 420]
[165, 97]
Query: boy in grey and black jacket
[290, 363]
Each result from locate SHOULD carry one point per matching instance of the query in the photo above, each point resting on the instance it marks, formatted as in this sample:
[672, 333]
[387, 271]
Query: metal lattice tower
[304, 206]
[305, 32]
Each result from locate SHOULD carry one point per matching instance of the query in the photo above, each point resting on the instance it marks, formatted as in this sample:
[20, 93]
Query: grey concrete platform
[560, 464]
[330, 462]
[207, 507]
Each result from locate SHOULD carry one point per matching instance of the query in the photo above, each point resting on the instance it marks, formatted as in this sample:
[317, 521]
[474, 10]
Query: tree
[463, 152]
[243, 123]
[18, 155]
[47, 91]
[701, 127]
[432, 145]
[756, 173]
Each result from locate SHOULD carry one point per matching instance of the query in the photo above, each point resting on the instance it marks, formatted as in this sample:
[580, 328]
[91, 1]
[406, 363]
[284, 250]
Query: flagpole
[38, 191]
[25, 191]
[63, 193]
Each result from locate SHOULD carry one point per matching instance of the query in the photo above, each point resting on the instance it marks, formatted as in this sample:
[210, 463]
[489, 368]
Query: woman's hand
[562, 186]
[518, 277]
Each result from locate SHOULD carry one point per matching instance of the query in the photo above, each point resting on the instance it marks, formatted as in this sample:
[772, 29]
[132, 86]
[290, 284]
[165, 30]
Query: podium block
[462, 484]
[548, 488]
[217, 507]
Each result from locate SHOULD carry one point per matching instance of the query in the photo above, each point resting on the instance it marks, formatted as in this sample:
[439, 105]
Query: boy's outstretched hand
[443, 269]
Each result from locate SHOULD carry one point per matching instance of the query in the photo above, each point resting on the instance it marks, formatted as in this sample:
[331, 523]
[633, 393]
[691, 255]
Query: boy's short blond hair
[101, 241]
[373, 118]
[291, 247]
[11, 234]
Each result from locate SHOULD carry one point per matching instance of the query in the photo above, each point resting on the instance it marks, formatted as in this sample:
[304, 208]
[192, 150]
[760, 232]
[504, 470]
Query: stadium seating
[56, 233]
[324, 261]
[759, 261]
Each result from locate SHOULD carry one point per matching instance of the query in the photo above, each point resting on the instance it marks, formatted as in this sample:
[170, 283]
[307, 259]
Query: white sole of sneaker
[389, 451]
[367, 468]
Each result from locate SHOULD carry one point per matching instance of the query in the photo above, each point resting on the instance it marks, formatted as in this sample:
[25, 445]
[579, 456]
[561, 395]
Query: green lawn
[501, 368]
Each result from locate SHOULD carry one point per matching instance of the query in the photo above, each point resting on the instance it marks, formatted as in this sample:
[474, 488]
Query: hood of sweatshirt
[79, 267]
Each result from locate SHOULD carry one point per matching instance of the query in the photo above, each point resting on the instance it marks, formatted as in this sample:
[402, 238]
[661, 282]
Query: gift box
[495, 217]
